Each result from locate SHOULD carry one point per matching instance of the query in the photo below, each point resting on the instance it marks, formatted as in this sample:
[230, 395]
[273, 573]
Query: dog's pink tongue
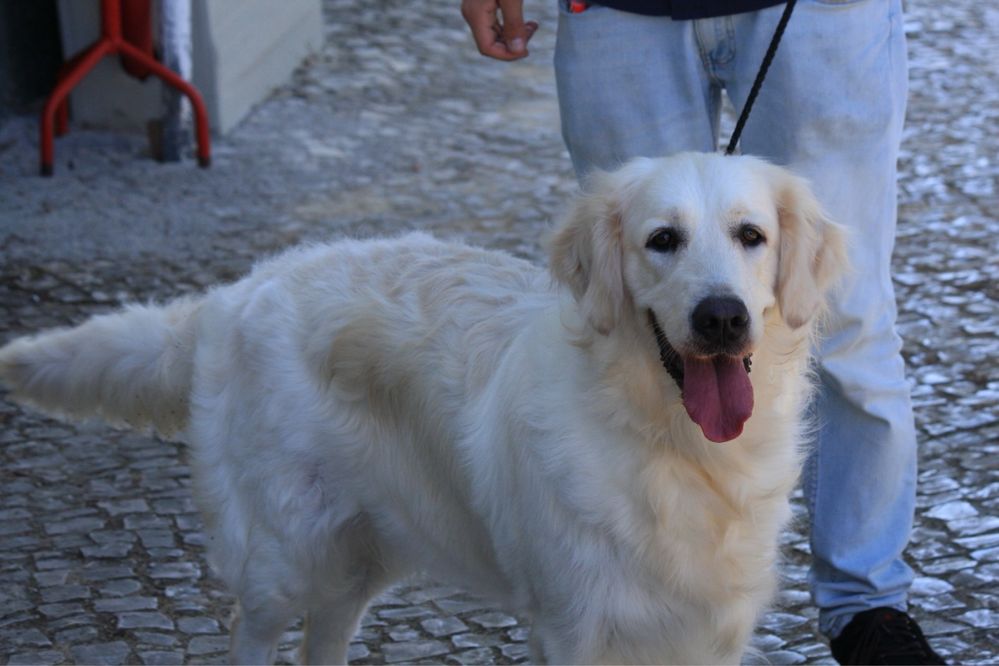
[717, 395]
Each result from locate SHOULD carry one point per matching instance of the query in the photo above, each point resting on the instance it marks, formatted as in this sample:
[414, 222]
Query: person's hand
[498, 27]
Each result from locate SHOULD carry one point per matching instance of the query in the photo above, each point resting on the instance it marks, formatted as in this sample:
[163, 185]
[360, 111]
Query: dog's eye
[750, 236]
[664, 240]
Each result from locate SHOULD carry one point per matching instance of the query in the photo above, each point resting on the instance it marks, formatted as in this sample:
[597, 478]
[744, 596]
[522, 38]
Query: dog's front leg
[329, 626]
[255, 633]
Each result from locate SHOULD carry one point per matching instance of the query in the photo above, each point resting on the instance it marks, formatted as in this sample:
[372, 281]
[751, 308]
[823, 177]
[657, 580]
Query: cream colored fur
[362, 410]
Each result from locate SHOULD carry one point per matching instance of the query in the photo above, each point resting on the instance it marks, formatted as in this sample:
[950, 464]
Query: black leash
[758, 83]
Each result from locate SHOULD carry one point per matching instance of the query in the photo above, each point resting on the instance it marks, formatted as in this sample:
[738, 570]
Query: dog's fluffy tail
[131, 367]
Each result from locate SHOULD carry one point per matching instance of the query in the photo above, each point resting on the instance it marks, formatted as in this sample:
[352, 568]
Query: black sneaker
[883, 636]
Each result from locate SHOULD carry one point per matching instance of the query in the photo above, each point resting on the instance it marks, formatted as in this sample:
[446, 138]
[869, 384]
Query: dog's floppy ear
[812, 250]
[586, 251]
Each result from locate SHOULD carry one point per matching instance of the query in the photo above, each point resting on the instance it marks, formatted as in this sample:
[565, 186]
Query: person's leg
[631, 85]
[832, 109]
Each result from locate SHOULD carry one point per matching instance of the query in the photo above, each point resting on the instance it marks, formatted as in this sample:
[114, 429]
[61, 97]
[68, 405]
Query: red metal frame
[55, 114]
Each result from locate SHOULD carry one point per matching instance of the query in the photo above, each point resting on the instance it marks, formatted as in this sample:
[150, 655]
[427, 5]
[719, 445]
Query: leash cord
[758, 83]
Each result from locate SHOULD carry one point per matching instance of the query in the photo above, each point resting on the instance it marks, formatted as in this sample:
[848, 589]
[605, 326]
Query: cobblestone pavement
[399, 124]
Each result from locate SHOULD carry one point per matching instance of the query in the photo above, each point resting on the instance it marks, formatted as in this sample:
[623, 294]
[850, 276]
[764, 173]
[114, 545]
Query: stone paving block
[413, 650]
[474, 640]
[979, 541]
[146, 521]
[76, 525]
[785, 657]
[188, 522]
[357, 651]
[156, 538]
[779, 623]
[925, 585]
[123, 604]
[937, 603]
[936, 627]
[182, 505]
[84, 634]
[198, 625]
[982, 618]
[516, 652]
[120, 587]
[14, 576]
[974, 525]
[16, 619]
[986, 554]
[10, 514]
[948, 565]
[46, 564]
[159, 658]
[59, 610]
[191, 605]
[390, 598]
[108, 551]
[438, 627]
[186, 590]
[956, 510]
[119, 507]
[105, 537]
[78, 619]
[174, 570]
[459, 606]
[39, 658]
[404, 613]
[102, 654]
[22, 542]
[9, 528]
[404, 634]
[195, 539]
[472, 657]
[519, 634]
[494, 620]
[430, 593]
[12, 606]
[65, 593]
[99, 574]
[205, 645]
[70, 542]
[949, 645]
[24, 637]
[155, 638]
[144, 620]
[766, 642]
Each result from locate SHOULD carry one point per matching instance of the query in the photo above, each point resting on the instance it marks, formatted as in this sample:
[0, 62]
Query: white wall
[242, 50]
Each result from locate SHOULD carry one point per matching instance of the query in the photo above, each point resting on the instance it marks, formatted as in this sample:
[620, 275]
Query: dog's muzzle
[716, 392]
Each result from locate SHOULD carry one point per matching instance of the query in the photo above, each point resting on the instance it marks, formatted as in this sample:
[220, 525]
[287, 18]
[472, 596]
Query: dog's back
[342, 301]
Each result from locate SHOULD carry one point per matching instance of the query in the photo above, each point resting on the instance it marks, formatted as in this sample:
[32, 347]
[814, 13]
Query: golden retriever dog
[606, 449]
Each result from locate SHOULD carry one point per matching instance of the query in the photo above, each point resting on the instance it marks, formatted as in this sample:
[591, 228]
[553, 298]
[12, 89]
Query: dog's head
[702, 249]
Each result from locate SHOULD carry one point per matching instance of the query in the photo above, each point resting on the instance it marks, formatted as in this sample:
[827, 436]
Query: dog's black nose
[721, 323]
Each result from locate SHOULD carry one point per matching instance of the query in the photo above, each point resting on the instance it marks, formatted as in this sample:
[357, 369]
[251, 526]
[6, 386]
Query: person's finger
[531, 27]
[514, 31]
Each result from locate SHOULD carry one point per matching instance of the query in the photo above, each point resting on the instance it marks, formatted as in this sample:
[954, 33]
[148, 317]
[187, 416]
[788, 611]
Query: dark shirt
[688, 9]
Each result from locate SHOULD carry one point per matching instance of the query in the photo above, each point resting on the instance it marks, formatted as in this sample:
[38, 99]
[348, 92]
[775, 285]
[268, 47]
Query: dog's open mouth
[717, 393]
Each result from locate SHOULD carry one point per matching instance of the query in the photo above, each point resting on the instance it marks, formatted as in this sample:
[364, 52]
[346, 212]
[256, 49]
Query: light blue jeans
[831, 109]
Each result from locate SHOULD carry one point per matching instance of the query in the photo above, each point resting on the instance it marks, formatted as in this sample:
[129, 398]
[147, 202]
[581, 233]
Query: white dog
[598, 458]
